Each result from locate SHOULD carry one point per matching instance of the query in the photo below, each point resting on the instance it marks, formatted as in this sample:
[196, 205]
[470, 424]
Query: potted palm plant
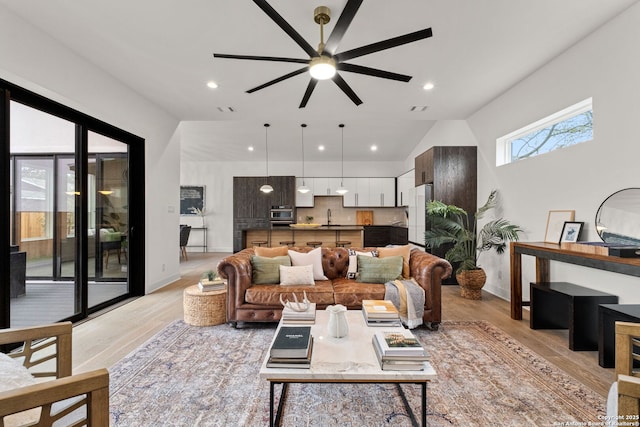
[451, 225]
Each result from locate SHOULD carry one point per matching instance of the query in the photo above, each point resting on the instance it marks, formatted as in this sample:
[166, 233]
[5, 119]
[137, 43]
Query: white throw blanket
[408, 297]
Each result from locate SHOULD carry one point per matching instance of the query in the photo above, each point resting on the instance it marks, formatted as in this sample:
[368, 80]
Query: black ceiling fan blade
[286, 27]
[308, 92]
[342, 25]
[373, 72]
[261, 58]
[382, 45]
[346, 89]
[279, 79]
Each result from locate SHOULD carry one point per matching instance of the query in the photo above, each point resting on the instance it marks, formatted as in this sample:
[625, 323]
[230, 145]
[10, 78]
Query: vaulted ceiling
[163, 50]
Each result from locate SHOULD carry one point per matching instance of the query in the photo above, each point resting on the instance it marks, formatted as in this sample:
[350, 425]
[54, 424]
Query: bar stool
[289, 243]
[342, 243]
[258, 242]
[314, 244]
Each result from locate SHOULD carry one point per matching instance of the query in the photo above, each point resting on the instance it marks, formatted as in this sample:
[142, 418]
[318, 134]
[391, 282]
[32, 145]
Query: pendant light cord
[342, 156]
[266, 146]
[302, 126]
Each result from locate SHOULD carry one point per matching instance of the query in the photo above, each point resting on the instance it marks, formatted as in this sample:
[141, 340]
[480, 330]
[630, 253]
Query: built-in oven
[281, 215]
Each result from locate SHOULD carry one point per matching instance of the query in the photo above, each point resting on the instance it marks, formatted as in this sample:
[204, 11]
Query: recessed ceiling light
[428, 86]
[212, 85]
[250, 148]
[320, 147]
[374, 148]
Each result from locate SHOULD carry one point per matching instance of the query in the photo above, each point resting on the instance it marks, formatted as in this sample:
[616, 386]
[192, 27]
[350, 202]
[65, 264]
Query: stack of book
[291, 316]
[216, 284]
[380, 313]
[291, 348]
[399, 351]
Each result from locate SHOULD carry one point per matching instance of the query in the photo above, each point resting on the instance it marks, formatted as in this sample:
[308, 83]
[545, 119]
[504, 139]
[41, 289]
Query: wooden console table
[545, 252]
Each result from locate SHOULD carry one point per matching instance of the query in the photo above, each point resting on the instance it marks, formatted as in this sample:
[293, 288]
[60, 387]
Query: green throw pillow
[266, 271]
[379, 270]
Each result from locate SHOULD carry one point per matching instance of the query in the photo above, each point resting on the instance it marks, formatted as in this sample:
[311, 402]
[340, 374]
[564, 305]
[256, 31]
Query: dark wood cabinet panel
[251, 206]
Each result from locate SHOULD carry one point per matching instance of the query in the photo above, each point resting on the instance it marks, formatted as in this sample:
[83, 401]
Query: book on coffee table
[399, 363]
[292, 362]
[399, 343]
[290, 316]
[292, 342]
[380, 313]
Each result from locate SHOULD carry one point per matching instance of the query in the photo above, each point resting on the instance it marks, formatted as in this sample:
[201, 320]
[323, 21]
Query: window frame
[503, 144]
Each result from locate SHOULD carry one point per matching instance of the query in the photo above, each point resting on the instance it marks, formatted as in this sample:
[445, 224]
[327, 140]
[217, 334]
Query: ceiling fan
[324, 63]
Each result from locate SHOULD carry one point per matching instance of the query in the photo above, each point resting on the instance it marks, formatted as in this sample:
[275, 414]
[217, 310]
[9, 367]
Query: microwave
[281, 215]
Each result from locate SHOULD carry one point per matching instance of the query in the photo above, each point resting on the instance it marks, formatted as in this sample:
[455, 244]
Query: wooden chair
[46, 352]
[628, 376]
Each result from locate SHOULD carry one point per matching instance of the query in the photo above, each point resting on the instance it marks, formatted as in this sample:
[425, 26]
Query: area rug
[208, 376]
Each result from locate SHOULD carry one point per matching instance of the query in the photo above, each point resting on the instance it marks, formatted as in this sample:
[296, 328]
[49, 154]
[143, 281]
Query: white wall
[444, 133]
[36, 62]
[602, 66]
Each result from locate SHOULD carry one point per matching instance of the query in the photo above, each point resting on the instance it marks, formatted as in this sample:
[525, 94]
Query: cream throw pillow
[404, 251]
[313, 257]
[270, 252]
[298, 275]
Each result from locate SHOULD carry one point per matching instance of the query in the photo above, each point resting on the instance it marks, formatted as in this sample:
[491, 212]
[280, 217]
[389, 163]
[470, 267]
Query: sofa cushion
[271, 252]
[404, 251]
[267, 270]
[379, 270]
[351, 293]
[321, 294]
[313, 257]
[297, 275]
[352, 272]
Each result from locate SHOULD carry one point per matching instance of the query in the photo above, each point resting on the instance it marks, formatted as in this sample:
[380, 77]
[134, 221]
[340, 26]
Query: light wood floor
[108, 337]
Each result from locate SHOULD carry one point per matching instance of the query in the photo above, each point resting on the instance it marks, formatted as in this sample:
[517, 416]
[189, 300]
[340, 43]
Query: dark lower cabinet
[383, 235]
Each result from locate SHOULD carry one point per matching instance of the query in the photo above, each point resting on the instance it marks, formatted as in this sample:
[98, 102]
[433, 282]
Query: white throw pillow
[298, 275]
[15, 375]
[313, 257]
[352, 271]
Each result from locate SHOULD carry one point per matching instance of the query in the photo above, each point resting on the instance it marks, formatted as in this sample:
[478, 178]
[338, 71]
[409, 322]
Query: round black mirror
[618, 218]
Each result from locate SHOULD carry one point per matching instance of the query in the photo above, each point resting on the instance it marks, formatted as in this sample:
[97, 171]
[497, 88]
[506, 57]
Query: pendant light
[266, 188]
[342, 190]
[303, 188]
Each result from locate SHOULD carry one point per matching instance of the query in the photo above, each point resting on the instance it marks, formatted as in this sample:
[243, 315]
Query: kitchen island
[327, 234]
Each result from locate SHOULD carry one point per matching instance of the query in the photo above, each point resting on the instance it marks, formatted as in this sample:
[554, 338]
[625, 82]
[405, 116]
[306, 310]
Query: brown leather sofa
[247, 302]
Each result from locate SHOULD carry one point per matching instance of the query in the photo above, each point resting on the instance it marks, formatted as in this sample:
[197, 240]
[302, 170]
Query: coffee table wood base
[274, 419]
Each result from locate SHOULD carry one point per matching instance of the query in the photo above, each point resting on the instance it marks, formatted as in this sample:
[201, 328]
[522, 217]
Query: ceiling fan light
[303, 189]
[322, 67]
[266, 188]
[342, 190]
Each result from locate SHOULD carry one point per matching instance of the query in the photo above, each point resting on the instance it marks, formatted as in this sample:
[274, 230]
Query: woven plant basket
[204, 308]
[471, 283]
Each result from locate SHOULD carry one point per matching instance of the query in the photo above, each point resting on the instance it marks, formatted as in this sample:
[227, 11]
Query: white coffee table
[350, 359]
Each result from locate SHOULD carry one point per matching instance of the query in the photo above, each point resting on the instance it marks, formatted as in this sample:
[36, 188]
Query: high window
[571, 126]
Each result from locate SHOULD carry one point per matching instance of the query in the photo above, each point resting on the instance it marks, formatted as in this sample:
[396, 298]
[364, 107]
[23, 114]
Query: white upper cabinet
[406, 185]
[370, 192]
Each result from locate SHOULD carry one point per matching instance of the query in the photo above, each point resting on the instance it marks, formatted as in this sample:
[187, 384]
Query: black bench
[562, 305]
[608, 314]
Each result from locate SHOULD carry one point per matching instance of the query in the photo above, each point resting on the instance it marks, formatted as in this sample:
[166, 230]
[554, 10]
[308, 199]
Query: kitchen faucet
[328, 216]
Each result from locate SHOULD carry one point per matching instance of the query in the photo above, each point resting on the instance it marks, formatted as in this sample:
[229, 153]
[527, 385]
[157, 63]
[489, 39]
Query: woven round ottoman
[204, 308]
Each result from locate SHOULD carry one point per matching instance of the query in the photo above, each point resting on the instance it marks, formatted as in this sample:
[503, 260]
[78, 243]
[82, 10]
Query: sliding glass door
[72, 246]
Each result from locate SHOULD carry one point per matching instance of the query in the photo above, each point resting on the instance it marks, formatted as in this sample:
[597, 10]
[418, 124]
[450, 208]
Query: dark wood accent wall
[451, 176]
